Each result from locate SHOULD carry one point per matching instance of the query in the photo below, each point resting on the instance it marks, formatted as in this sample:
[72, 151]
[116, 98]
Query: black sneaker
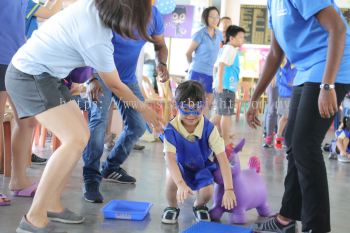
[38, 160]
[118, 176]
[92, 193]
[170, 215]
[273, 226]
[266, 145]
[201, 213]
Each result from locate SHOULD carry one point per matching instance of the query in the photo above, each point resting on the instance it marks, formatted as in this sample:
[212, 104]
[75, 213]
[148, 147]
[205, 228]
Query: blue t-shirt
[285, 76]
[207, 51]
[31, 21]
[12, 28]
[303, 39]
[127, 51]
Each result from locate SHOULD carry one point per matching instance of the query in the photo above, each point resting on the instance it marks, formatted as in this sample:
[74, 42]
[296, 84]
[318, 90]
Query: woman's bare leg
[68, 124]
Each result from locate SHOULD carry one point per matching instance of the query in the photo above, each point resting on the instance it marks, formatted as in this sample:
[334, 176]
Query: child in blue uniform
[189, 140]
[342, 141]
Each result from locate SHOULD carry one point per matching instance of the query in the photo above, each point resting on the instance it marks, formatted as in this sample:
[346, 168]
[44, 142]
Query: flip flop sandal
[26, 192]
[4, 201]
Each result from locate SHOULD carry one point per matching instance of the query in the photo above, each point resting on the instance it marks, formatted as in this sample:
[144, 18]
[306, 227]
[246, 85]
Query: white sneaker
[343, 158]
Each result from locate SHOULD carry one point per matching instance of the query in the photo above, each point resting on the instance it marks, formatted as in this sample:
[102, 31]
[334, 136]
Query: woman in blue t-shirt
[203, 51]
[315, 37]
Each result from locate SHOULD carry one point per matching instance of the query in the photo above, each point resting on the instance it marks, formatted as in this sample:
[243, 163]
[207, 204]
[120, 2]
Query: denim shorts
[34, 94]
[205, 80]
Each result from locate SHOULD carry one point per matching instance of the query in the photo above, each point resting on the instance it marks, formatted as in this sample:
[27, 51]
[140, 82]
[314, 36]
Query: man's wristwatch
[327, 86]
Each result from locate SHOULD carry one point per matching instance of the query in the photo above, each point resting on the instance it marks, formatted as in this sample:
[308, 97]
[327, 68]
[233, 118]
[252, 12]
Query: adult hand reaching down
[113, 82]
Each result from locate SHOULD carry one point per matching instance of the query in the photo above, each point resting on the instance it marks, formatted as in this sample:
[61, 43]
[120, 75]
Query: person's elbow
[338, 29]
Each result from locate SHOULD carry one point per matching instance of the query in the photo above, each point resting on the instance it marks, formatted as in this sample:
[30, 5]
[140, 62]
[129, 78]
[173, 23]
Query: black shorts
[34, 94]
[3, 69]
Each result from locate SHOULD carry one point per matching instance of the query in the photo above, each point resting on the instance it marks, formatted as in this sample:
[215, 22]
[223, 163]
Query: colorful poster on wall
[179, 23]
[252, 59]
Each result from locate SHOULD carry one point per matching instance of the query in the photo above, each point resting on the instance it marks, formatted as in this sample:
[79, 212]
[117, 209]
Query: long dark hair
[126, 17]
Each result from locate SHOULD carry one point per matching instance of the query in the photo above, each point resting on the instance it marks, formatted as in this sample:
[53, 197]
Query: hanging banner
[178, 24]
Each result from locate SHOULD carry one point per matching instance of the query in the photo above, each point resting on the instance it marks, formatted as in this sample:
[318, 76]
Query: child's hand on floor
[229, 200]
[182, 192]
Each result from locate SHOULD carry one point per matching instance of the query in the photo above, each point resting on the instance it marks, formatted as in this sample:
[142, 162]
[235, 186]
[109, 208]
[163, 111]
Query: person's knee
[26, 124]
[78, 140]
[137, 130]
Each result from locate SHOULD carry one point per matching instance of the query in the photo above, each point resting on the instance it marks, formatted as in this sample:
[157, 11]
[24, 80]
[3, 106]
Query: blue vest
[192, 157]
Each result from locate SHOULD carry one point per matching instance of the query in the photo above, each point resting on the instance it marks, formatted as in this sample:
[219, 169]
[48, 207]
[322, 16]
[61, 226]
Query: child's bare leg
[209, 97]
[170, 190]
[342, 144]
[204, 195]
[226, 124]
[345, 146]
[281, 125]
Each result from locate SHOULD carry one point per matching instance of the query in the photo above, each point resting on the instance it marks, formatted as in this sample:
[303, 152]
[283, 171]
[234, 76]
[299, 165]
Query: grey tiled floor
[149, 169]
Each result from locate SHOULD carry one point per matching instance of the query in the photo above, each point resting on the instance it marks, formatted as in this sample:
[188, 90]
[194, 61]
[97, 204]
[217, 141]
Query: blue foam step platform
[211, 227]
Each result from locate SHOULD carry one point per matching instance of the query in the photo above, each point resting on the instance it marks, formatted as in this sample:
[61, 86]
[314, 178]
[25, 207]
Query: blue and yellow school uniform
[193, 150]
[343, 133]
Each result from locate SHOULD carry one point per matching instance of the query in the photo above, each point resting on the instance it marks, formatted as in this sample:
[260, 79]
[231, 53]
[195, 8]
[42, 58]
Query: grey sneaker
[66, 216]
[25, 227]
[271, 225]
[343, 158]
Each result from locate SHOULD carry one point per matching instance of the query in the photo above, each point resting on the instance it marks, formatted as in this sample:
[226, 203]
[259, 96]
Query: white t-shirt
[72, 38]
[226, 56]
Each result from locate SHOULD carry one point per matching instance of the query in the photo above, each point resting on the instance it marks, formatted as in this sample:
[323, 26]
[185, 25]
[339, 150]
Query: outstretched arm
[273, 61]
[113, 82]
[334, 25]
[161, 57]
[229, 198]
[49, 9]
[182, 189]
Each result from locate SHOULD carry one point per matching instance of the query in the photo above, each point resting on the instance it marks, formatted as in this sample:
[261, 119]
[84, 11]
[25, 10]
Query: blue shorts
[205, 80]
[200, 178]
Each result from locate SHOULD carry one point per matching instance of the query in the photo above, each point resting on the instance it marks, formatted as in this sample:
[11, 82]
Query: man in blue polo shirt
[314, 36]
[126, 55]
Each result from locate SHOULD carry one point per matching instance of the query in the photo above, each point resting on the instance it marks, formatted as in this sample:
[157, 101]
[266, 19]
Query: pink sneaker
[268, 141]
[279, 143]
